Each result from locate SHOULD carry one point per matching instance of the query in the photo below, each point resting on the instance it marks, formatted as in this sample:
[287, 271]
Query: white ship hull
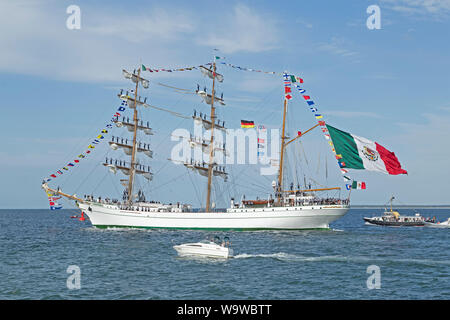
[282, 218]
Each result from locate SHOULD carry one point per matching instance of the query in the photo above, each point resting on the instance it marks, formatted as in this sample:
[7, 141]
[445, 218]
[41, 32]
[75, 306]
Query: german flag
[247, 124]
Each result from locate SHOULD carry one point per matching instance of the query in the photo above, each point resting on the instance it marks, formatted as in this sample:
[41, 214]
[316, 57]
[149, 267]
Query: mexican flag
[296, 79]
[358, 185]
[359, 153]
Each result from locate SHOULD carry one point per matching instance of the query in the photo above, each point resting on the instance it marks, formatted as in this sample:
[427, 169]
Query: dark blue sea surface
[38, 246]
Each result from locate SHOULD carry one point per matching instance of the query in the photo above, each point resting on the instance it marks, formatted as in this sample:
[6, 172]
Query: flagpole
[348, 199]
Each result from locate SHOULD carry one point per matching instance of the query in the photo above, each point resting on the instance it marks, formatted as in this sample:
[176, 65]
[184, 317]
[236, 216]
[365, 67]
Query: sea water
[40, 249]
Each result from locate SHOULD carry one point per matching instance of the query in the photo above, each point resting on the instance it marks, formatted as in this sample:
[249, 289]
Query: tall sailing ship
[285, 208]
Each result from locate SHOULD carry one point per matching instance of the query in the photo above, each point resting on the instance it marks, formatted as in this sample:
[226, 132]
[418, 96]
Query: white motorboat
[444, 224]
[206, 248]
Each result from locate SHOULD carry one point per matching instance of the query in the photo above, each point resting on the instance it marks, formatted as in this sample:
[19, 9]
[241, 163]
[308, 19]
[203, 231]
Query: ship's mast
[280, 170]
[133, 153]
[280, 192]
[211, 146]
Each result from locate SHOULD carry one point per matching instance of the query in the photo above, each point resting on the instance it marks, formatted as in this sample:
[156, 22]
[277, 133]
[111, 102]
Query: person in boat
[396, 216]
[227, 242]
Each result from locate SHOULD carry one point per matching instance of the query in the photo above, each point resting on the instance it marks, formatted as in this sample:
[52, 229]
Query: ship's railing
[185, 208]
[299, 203]
[148, 206]
[326, 201]
[162, 208]
[91, 198]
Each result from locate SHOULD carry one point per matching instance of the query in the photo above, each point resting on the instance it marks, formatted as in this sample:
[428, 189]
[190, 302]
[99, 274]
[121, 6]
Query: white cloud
[158, 23]
[423, 7]
[111, 39]
[304, 23]
[243, 30]
[337, 46]
[40, 44]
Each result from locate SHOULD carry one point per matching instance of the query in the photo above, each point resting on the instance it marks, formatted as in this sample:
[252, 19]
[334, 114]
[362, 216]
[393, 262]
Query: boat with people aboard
[306, 207]
[212, 248]
[436, 224]
[393, 218]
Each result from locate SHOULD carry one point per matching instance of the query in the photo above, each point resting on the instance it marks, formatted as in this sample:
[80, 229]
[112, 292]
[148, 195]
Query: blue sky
[59, 87]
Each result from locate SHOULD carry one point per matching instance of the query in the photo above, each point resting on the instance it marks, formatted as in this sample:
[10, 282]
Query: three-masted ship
[285, 209]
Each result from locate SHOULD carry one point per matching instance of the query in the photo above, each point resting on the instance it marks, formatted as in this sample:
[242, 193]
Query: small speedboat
[206, 248]
[444, 224]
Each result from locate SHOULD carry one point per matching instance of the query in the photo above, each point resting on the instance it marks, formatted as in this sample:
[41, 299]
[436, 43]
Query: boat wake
[282, 256]
[288, 257]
